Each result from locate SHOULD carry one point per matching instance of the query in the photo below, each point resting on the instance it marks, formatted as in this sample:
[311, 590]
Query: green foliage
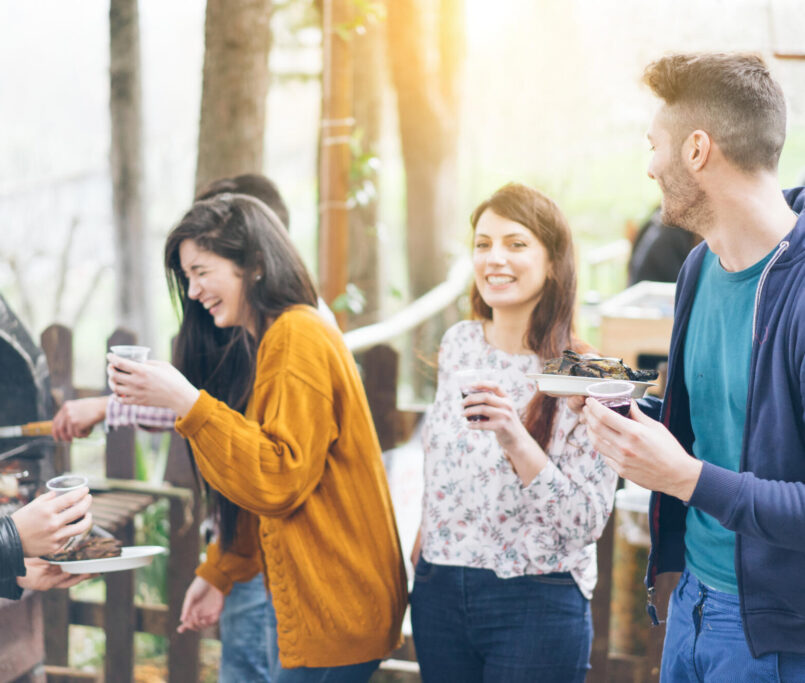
[365, 12]
[353, 300]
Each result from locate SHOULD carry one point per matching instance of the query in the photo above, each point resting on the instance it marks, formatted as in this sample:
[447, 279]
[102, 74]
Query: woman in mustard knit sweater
[296, 452]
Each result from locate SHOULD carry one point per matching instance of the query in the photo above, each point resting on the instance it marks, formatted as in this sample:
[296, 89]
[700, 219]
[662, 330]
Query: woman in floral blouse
[515, 499]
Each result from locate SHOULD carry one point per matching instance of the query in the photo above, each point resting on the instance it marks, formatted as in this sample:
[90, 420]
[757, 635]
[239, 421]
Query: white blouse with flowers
[476, 511]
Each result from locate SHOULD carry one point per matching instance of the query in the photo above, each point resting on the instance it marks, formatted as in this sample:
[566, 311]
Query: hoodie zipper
[780, 250]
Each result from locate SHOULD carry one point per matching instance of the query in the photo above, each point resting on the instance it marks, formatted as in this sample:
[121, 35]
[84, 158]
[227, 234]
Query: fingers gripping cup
[616, 396]
[468, 383]
[139, 354]
[66, 483]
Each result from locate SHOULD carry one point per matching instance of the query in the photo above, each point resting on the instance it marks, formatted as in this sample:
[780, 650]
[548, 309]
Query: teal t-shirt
[718, 351]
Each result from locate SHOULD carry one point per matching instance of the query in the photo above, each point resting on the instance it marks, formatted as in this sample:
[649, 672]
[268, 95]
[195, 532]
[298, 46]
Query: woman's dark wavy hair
[222, 361]
[550, 327]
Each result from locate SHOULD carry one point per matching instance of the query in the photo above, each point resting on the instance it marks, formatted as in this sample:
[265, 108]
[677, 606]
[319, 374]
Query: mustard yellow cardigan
[305, 460]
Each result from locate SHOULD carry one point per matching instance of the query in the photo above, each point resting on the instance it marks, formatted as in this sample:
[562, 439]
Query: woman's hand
[202, 606]
[491, 402]
[153, 383]
[44, 524]
[76, 419]
[42, 576]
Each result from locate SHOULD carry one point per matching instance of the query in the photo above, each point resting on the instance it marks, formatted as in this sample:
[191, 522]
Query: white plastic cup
[131, 352]
[64, 484]
[616, 396]
[468, 380]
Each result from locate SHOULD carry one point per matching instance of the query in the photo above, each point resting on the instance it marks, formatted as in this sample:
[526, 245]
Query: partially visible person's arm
[75, 419]
[42, 576]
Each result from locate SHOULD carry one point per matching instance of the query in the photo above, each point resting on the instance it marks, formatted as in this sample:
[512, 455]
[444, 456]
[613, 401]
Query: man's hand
[42, 576]
[642, 450]
[202, 606]
[44, 525]
[76, 419]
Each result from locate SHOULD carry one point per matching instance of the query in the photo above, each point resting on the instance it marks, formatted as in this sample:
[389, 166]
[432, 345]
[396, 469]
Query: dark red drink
[621, 407]
[474, 418]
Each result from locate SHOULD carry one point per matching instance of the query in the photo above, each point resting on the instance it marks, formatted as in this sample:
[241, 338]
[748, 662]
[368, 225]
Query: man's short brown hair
[732, 97]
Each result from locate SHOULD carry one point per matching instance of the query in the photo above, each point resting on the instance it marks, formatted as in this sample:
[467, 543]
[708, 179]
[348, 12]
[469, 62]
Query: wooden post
[119, 617]
[380, 365]
[336, 128]
[57, 344]
[183, 649]
[599, 657]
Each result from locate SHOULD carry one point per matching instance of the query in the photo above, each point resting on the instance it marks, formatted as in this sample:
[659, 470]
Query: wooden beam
[334, 155]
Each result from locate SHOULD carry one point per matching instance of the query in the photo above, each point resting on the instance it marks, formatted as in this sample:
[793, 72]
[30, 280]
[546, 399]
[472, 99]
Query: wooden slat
[64, 674]
[151, 619]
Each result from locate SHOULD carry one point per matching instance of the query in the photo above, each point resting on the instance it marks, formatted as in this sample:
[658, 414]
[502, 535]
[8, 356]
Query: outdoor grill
[25, 463]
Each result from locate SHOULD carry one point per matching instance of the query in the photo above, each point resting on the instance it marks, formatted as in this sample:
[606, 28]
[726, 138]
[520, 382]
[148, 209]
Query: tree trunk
[334, 156]
[426, 50]
[237, 38]
[126, 158]
[426, 53]
[364, 254]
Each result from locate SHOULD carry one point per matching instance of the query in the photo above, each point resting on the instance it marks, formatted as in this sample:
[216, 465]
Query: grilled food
[92, 548]
[590, 365]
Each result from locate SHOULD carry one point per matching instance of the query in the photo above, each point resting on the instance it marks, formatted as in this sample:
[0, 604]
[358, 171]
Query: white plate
[569, 385]
[130, 557]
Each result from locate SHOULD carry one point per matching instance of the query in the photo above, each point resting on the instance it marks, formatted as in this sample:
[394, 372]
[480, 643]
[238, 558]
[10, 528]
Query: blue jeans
[469, 625]
[705, 641]
[242, 627]
[353, 673]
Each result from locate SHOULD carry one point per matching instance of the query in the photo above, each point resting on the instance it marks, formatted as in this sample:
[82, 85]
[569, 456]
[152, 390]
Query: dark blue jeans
[469, 625]
[705, 641]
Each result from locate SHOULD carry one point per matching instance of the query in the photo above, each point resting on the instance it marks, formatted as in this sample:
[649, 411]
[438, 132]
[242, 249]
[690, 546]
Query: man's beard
[685, 204]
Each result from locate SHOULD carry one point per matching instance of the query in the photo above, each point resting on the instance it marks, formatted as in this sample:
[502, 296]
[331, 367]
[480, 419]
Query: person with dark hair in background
[726, 460]
[515, 496]
[41, 527]
[659, 251]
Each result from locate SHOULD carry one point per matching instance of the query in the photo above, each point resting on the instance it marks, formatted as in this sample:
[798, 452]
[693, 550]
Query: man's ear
[697, 150]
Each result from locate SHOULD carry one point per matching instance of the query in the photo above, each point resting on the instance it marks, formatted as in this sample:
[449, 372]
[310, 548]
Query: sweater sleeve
[269, 465]
[12, 561]
[240, 562]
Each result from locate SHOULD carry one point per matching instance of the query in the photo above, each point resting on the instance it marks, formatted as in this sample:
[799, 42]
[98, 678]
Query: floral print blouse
[476, 511]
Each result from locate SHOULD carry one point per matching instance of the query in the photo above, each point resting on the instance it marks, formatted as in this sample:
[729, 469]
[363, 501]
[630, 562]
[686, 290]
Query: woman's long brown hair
[550, 326]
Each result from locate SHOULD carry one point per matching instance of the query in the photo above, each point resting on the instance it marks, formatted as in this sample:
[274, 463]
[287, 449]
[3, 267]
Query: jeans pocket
[424, 569]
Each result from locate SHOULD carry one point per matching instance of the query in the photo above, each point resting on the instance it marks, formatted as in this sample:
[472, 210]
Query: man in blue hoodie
[726, 460]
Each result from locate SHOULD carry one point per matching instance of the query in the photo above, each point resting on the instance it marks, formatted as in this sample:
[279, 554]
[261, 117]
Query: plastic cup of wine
[469, 382]
[616, 396]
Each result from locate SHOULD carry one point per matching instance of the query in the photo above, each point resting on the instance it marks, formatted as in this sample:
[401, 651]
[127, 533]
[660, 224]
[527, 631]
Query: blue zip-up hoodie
[764, 502]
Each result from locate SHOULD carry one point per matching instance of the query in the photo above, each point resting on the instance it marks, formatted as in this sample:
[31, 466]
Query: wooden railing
[115, 510]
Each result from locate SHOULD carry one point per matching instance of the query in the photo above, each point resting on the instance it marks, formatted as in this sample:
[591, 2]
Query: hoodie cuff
[716, 491]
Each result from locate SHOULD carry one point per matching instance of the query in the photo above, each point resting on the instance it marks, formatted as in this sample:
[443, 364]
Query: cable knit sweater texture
[305, 461]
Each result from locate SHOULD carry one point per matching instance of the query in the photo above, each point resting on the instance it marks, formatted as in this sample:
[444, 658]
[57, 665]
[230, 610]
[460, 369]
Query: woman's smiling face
[510, 263]
[215, 282]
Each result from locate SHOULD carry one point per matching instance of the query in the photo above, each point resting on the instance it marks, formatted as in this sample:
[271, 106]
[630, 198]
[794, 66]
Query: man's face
[684, 202]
